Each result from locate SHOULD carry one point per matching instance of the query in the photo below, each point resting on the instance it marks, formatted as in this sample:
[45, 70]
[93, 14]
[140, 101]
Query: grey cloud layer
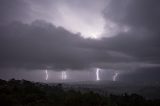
[13, 10]
[142, 17]
[41, 44]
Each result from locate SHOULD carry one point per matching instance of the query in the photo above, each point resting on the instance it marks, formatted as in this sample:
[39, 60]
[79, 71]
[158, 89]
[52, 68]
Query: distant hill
[26, 93]
[148, 90]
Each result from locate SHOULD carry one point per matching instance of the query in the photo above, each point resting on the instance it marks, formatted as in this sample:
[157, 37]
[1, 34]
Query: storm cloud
[33, 38]
[43, 45]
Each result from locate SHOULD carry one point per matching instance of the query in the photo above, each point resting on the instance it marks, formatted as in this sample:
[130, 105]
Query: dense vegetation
[26, 93]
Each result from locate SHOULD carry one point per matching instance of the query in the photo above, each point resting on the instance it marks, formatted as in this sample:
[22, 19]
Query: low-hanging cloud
[40, 44]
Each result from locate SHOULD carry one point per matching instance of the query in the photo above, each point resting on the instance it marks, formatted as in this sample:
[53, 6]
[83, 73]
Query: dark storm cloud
[137, 13]
[42, 45]
[39, 44]
[141, 41]
[11, 10]
[142, 17]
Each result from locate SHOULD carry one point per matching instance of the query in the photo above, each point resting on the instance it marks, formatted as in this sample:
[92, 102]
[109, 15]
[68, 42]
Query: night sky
[72, 39]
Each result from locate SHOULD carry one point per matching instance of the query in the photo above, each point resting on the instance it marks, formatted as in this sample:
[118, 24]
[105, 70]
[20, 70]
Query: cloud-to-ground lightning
[64, 75]
[115, 76]
[97, 74]
[46, 74]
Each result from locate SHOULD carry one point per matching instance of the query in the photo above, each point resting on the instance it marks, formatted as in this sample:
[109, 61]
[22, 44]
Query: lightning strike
[97, 74]
[46, 74]
[64, 75]
[115, 76]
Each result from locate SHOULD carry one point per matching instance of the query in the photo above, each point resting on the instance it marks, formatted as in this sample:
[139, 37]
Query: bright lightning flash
[97, 74]
[64, 75]
[46, 74]
[115, 76]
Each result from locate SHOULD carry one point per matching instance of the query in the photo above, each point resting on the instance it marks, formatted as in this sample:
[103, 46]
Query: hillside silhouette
[26, 93]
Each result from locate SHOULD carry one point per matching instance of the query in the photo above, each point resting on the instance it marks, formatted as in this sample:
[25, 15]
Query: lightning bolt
[46, 74]
[115, 76]
[64, 75]
[97, 74]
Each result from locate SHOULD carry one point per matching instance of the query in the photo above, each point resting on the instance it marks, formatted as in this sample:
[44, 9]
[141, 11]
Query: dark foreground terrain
[26, 93]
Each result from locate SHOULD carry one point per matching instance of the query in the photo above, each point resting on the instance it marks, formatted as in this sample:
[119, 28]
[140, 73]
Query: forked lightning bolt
[64, 75]
[115, 76]
[97, 74]
[46, 74]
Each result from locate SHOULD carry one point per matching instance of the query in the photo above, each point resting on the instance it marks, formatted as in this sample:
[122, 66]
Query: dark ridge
[26, 93]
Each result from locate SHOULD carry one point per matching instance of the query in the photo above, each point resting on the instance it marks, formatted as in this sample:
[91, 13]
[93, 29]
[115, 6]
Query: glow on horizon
[115, 76]
[97, 74]
[46, 74]
[64, 75]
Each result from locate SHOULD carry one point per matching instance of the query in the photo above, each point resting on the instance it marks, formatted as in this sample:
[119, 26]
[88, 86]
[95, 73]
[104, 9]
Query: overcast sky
[78, 36]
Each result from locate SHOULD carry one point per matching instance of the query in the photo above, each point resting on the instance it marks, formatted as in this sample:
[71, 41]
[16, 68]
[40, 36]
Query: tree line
[27, 93]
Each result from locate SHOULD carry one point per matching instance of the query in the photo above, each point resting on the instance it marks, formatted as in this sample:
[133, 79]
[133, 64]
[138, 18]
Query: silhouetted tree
[26, 93]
